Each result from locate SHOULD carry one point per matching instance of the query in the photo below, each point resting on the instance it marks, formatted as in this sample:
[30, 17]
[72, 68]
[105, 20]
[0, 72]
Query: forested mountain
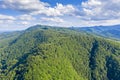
[5, 37]
[112, 32]
[53, 53]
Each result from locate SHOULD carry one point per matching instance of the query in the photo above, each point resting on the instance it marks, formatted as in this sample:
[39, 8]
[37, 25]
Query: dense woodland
[52, 53]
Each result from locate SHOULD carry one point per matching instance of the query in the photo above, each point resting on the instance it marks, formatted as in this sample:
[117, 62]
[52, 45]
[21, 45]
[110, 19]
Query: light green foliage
[48, 53]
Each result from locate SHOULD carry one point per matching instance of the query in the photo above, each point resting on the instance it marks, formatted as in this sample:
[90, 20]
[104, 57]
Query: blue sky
[21, 14]
[64, 2]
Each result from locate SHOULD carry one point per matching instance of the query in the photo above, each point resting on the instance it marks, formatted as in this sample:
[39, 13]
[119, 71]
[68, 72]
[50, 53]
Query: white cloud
[1, 22]
[89, 13]
[58, 10]
[36, 7]
[25, 23]
[6, 20]
[26, 17]
[61, 9]
[53, 19]
[23, 5]
[101, 9]
[6, 17]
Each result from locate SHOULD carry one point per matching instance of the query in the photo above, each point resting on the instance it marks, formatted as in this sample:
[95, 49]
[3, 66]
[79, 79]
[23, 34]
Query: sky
[21, 14]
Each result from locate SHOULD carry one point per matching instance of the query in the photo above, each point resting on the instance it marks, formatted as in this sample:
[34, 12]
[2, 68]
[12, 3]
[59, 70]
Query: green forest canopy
[51, 53]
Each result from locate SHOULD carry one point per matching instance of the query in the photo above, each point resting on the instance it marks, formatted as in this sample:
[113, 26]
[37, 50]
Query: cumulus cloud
[101, 9]
[25, 23]
[58, 10]
[26, 17]
[53, 19]
[23, 5]
[35, 7]
[89, 13]
[6, 17]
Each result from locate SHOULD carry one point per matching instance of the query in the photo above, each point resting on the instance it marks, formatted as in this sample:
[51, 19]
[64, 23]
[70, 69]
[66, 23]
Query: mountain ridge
[111, 32]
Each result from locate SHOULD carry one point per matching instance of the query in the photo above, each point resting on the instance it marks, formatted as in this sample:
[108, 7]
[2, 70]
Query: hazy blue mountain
[104, 31]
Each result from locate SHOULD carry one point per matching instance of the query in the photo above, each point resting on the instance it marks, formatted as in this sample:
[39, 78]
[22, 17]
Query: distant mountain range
[112, 32]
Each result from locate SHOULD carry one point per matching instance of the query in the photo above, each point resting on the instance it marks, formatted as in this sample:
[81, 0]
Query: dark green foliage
[113, 65]
[48, 53]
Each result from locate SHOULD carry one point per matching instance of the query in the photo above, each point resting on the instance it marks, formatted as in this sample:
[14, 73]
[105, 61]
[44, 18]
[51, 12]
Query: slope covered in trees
[49, 53]
[5, 37]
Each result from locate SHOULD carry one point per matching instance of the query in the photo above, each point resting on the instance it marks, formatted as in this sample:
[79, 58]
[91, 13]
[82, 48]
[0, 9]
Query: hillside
[112, 32]
[51, 53]
[5, 37]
